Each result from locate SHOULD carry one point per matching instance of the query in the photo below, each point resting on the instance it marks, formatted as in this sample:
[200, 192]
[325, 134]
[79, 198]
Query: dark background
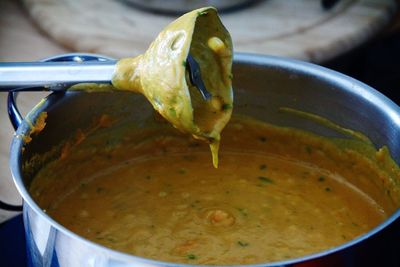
[376, 63]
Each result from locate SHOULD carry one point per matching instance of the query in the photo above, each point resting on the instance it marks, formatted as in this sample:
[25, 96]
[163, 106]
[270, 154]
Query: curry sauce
[279, 193]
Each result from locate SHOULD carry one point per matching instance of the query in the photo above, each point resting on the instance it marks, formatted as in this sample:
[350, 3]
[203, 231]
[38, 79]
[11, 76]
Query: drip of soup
[279, 193]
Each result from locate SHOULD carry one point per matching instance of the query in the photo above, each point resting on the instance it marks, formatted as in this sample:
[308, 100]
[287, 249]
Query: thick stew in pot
[278, 193]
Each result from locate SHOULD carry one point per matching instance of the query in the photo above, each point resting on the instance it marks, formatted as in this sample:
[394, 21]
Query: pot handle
[13, 112]
[16, 117]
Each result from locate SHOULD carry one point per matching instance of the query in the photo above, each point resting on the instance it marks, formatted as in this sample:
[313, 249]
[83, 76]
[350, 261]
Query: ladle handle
[52, 76]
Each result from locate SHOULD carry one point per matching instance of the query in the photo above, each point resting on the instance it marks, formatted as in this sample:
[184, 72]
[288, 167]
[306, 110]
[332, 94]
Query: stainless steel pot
[262, 84]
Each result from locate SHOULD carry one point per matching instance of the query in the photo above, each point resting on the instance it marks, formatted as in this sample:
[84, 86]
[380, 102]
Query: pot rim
[345, 83]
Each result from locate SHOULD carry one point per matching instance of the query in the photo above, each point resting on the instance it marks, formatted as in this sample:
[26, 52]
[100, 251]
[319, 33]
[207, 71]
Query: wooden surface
[21, 40]
[293, 28]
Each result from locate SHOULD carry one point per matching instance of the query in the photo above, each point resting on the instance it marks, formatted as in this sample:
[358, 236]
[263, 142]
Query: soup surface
[278, 193]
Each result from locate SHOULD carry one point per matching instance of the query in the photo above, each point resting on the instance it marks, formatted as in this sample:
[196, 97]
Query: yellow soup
[279, 193]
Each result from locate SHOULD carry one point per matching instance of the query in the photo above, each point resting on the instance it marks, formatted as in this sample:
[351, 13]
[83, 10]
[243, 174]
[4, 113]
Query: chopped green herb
[100, 189]
[243, 212]
[266, 180]
[191, 256]
[226, 106]
[242, 244]
[184, 63]
[263, 166]
[230, 76]
[194, 144]
[182, 171]
[110, 239]
[321, 179]
[304, 175]
[328, 189]
[172, 112]
[195, 203]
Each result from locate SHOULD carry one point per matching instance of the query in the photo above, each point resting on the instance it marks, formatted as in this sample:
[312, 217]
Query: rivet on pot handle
[16, 117]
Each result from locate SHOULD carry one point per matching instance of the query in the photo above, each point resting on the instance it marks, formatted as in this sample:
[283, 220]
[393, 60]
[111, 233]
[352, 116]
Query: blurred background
[360, 38]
